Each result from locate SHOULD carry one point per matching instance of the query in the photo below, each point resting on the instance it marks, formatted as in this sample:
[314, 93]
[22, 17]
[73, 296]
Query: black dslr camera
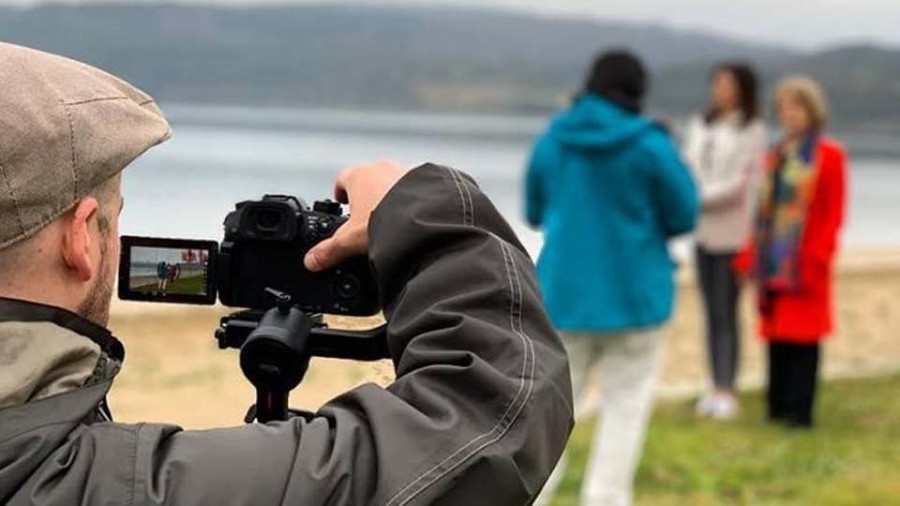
[263, 248]
[264, 245]
[259, 266]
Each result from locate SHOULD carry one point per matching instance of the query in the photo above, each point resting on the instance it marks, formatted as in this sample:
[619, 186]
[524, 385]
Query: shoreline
[852, 259]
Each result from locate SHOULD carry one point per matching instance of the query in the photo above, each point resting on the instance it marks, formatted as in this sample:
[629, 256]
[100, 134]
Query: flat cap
[65, 128]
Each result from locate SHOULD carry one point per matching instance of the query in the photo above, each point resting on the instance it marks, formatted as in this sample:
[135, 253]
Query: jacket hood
[594, 122]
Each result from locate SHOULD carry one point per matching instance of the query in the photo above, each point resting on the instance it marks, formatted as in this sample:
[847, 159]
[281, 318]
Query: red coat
[806, 316]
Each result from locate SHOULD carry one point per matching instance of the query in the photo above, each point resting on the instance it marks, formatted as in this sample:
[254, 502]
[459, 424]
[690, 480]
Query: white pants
[628, 365]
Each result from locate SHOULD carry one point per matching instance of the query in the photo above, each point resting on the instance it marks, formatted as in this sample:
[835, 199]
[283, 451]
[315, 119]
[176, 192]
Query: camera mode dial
[328, 207]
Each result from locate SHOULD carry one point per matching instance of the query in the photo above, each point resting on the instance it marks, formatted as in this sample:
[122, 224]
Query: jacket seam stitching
[467, 214]
[465, 186]
[506, 420]
[462, 201]
[412, 483]
[467, 217]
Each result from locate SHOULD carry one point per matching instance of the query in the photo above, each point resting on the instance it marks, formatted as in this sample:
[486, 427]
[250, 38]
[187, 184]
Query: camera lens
[268, 220]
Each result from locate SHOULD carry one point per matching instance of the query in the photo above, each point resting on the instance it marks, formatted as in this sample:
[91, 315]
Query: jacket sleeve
[535, 189]
[479, 413]
[744, 166]
[673, 187]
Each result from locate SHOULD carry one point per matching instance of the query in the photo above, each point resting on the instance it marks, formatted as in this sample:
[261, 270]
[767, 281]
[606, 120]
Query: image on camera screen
[161, 272]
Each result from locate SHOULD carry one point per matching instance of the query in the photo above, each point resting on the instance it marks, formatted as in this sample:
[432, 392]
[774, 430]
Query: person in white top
[725, 148]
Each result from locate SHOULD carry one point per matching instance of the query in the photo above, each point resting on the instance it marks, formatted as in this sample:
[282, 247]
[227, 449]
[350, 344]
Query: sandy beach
[175, 373]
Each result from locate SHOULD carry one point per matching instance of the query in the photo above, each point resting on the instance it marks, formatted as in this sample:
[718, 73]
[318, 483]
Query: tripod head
[276, 346]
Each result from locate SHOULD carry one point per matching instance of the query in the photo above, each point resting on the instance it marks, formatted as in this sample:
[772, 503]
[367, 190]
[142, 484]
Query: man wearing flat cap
[479, 413]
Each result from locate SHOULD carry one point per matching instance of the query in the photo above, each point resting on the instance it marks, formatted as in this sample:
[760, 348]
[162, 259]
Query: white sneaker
[705, 404]
[724, 407]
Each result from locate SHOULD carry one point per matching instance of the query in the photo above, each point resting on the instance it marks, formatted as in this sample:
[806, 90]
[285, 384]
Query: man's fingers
[335, 250]
[362, 187]
[321, 256]
[340, 186]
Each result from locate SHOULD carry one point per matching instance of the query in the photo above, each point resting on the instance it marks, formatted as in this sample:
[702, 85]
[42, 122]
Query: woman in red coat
[794, 243]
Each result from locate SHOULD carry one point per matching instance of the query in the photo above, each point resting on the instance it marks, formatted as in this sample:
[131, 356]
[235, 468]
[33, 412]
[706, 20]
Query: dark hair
[619, 76]
[747, 88]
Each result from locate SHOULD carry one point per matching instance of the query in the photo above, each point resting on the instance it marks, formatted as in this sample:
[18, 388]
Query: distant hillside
[863, 83]
[411, 58]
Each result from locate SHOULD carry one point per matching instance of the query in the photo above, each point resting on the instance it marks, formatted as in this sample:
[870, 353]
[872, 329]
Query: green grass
[193, 285]
[852, 457]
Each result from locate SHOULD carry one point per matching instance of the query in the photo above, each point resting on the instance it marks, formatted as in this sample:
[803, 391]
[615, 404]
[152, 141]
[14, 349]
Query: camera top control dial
[328, 207]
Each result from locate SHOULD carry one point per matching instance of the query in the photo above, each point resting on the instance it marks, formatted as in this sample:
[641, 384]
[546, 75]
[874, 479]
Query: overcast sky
[801, 23]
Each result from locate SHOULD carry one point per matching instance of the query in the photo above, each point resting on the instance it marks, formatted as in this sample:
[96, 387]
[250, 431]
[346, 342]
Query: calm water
[219, 156]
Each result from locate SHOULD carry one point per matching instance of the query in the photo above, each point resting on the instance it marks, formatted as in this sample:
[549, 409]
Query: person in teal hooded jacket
[609, 189]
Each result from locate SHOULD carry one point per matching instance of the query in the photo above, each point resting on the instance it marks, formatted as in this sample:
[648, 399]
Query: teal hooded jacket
[609, 189]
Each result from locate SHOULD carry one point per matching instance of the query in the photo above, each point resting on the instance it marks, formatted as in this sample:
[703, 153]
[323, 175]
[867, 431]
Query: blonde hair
[809, 94]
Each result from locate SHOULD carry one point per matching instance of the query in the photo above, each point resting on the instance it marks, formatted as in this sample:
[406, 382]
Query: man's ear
[77, 241]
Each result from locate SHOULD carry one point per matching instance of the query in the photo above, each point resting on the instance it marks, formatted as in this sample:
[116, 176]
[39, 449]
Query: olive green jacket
[479, 413]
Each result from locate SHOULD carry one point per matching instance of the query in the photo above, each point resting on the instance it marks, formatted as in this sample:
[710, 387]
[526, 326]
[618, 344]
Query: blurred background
[276, 98]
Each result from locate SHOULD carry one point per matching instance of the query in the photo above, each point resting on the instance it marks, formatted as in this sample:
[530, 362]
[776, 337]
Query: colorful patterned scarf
[784, 201]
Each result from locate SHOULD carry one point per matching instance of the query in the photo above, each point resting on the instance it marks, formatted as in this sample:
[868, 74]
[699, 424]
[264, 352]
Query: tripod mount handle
[361, 345]
[276, 346]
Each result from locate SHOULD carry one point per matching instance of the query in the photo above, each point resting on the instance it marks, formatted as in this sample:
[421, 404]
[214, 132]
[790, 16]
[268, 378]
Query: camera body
[259, 266]
[262, 252]
[264, 245]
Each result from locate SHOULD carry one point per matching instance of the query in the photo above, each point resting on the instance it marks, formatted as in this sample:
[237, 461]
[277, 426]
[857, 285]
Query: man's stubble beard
[95, 307]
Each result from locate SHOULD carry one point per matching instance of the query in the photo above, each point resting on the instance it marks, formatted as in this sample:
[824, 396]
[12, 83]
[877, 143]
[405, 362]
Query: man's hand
[363, 187]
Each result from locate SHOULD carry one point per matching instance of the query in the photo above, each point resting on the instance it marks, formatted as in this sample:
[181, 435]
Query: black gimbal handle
[276, 346]
[362, 345]
[275, 358]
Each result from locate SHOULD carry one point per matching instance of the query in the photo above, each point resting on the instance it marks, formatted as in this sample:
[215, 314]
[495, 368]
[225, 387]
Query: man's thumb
[322, 256]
